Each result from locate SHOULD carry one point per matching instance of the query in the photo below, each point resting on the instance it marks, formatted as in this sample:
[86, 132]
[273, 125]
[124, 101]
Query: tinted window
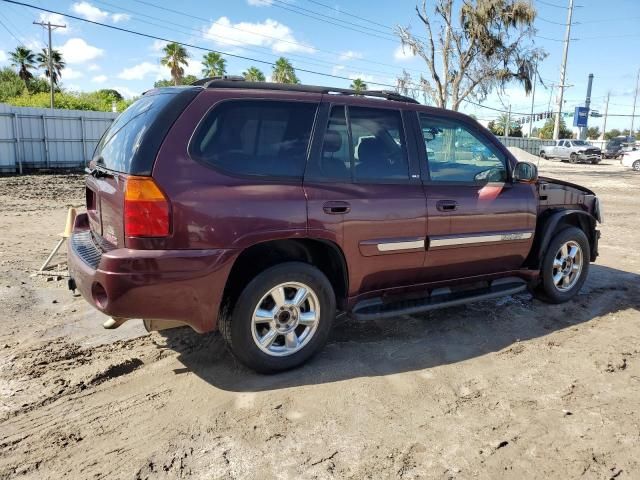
[121, 141]
[378, 144]
[457, 154]
[256, 137]
[335, 158]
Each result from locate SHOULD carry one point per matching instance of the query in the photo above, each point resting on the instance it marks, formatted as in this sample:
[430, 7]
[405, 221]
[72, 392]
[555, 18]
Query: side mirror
[525, 172]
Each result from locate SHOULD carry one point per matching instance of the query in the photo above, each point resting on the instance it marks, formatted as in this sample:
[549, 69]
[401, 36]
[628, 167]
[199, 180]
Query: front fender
[549, 224]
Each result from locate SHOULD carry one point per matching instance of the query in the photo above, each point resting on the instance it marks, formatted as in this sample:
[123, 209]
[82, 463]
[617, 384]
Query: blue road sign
[581, 117]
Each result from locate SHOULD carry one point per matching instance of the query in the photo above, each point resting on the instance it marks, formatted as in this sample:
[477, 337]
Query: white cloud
[99, 79]
[269, 33]
[260, 3]
[140, 71]
[93, 13]
[194, 68]
[158, 45]
[126, 92]
[3, 56]
[350, 55]
[57, 19]
[362, 76]
[403, 53]
[337, 69]
[93, 67]
[76, 50]
[120, 17]
[69, 74]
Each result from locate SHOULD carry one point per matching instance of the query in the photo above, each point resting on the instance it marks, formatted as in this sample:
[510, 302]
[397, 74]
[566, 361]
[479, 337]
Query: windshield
[580, 143]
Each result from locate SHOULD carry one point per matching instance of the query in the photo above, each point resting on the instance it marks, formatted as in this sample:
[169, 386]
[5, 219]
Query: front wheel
[636, 165]
[573, 158]
[565, 266]
[281, 318]
[543, 155]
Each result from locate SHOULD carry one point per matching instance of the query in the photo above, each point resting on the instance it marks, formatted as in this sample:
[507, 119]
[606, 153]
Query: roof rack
[233, 81]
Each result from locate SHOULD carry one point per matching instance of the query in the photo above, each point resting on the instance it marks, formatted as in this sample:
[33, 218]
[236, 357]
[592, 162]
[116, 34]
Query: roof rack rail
[204, 82]
[232, 81]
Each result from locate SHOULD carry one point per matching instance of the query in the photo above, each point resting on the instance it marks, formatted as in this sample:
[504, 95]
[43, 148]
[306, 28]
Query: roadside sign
[581, 117]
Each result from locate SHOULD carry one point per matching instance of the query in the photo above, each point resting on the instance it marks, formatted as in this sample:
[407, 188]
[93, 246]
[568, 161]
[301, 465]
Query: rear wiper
[98, 172]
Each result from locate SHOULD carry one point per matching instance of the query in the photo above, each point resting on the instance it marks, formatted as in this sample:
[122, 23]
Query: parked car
[631, 159]
[613, 149]
[572, 150]
[260, 209]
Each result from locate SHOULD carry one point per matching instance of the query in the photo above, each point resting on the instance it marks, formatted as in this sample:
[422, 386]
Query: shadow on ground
[409, 343]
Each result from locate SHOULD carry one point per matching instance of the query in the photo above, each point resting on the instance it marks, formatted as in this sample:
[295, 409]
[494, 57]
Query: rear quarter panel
[212, 209]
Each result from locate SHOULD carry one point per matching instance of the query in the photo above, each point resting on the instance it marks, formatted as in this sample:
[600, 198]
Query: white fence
[534, 145]
[33, 138]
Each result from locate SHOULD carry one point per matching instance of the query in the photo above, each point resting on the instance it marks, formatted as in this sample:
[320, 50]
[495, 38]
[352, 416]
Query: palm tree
[175, 55]
[283, 72]
[56, 62]
[253, 74]
[214, 65]
[358, 85]
[24, 60]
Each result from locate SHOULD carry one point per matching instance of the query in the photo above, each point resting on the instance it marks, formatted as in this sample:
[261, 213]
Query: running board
[377, 308]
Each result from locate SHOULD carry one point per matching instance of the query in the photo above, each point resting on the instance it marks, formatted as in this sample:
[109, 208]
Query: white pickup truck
[572, 150]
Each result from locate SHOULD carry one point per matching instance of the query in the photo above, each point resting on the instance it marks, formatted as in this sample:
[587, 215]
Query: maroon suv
[260, 209]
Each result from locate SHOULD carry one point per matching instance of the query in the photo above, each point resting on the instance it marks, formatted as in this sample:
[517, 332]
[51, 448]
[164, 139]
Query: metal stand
[71, 218]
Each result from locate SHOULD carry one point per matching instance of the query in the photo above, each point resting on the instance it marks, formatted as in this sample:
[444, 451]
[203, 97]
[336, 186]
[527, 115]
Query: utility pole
[635, 99]
[533, 97]
[50, 27]
[606, 113]
[563, 71]
[587, 104]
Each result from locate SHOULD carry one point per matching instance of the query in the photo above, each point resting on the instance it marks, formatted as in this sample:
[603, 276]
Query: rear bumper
[182, 285]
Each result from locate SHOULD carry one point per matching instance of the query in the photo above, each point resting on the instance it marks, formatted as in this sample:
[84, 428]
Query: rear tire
[636, 165]
[282, 317]
[565, 266]
[543, 155]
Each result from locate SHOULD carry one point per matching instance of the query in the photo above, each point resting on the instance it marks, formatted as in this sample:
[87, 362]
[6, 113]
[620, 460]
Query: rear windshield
[127, 146]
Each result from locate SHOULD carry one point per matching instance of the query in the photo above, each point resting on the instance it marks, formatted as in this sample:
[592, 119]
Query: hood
[565, 183]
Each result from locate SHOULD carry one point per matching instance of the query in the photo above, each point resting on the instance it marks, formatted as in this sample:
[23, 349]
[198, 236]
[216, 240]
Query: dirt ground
[509, 388]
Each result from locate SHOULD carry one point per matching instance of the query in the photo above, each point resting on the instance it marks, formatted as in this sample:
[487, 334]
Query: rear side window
[264, 138]
[369, 148]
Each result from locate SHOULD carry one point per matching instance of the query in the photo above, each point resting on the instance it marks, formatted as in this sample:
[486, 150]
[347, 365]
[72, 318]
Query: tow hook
[114, 322]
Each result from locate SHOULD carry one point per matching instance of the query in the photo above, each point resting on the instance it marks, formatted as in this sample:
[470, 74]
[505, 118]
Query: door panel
[478, 221]
[382, 227]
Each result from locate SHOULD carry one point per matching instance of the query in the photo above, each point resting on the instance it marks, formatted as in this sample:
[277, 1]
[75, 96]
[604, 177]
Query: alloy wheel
[567, 266]
[285, 319]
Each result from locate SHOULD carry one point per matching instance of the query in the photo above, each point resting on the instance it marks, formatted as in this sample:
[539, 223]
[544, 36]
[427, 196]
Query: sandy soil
[510, 388]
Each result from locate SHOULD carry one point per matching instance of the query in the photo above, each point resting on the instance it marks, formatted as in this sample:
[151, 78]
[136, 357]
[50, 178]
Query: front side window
[264, 138]
[457, 154]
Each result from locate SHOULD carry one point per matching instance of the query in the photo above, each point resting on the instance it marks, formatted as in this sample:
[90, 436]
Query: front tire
[573, 158]
[543, 155]
[281, 318]
[565, 266]
[636, 165]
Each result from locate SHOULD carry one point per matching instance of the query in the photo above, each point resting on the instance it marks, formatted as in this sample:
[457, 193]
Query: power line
[338, 54]
[261, 50]
[350, 14]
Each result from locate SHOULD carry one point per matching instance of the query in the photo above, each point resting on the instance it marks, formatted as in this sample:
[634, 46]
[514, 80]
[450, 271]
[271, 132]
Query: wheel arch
[322, 254]
[556, 220]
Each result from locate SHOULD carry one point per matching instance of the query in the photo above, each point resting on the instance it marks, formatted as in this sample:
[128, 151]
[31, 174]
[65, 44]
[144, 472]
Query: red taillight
[146, 209]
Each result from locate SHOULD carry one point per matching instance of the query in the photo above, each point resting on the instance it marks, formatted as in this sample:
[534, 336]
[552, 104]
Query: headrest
[369, 147]
[332, 141]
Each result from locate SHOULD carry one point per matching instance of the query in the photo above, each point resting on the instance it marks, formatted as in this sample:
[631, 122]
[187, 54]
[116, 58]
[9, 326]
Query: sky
[313, 35]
